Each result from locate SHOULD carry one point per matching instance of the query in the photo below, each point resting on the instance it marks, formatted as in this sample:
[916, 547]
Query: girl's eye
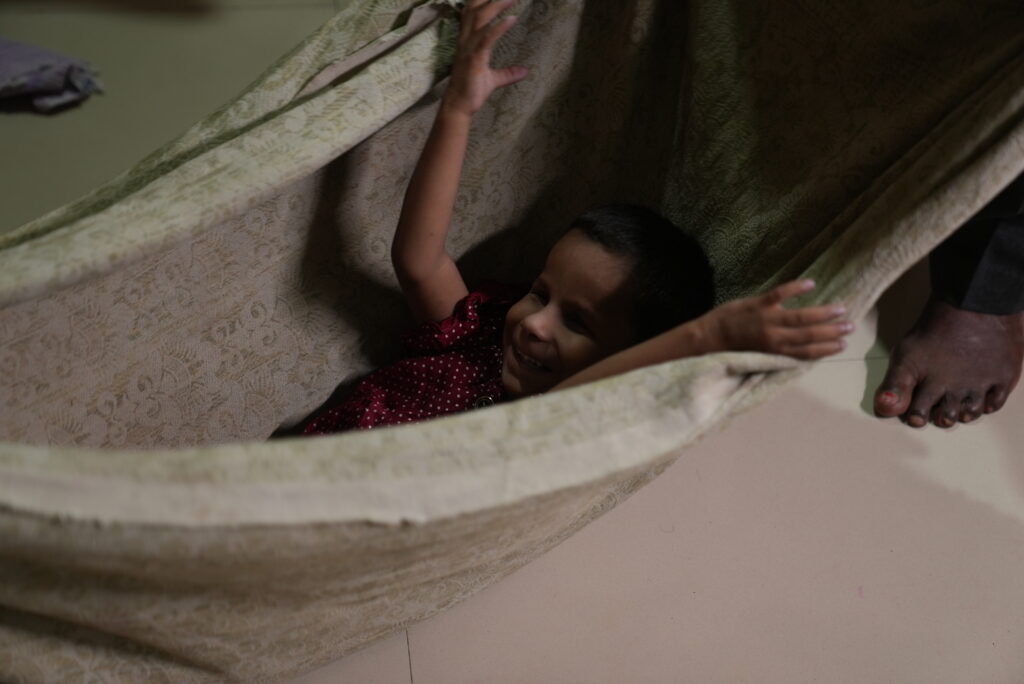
[576, 324]
[539, 295]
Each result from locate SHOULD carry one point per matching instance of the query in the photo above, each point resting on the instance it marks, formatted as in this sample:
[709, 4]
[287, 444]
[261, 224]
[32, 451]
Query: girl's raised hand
[761, 323]
[473, 80]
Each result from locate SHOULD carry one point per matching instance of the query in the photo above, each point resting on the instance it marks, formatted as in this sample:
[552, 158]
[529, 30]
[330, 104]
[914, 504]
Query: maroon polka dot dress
[453, 365]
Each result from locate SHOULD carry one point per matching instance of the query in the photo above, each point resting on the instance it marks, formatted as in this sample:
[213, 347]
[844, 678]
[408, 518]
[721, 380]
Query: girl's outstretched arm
[427, 274]
[757, 323]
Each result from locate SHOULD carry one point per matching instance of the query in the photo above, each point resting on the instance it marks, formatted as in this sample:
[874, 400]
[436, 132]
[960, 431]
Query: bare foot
[952, 366]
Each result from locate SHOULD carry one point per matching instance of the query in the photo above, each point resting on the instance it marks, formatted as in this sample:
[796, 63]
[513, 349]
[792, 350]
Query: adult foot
[952, 366]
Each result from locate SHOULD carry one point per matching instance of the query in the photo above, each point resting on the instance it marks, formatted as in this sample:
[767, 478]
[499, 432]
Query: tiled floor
[809, 542]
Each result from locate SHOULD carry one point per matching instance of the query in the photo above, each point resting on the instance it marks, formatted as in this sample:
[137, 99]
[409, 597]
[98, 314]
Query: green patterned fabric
[155, 332]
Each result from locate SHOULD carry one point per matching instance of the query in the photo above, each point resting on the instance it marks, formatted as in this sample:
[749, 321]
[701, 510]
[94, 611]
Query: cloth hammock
[157, 330]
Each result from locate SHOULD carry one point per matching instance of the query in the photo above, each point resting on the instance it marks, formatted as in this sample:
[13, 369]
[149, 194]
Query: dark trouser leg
[980, 268]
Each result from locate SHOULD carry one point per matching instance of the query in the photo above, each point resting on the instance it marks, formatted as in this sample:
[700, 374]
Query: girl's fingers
[817, 350]
[488, 10]
[812, 334]
[509, 75]
[787, 291]
[811, 315]
[468, 22]
[494, 32]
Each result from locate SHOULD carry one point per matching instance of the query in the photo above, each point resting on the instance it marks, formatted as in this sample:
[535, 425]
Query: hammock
[156, 331]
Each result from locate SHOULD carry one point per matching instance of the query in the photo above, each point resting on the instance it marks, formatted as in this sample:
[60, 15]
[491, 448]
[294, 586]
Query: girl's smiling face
[578, 311]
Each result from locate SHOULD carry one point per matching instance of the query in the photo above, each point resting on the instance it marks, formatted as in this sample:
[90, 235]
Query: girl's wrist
[710, 334]
[451, 108]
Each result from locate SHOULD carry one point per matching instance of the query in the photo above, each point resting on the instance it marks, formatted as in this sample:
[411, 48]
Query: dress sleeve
[477, 317]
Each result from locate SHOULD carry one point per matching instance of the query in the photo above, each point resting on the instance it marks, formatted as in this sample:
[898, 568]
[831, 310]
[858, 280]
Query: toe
[926, 396]
[893, 396]
[971, 407]
[946, 412]
[995, 398]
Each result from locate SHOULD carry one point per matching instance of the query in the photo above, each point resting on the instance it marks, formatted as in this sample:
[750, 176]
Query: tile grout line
[408, 650]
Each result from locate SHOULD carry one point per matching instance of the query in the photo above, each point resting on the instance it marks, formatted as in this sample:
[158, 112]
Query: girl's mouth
[528, 362]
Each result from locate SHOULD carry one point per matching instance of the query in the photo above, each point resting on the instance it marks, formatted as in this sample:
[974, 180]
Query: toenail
[889, 397]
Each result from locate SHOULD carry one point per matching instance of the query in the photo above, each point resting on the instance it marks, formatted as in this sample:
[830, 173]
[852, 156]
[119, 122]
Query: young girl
[622, 289]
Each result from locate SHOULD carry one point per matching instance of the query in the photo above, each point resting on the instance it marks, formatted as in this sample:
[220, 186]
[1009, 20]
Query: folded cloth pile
[45, 79]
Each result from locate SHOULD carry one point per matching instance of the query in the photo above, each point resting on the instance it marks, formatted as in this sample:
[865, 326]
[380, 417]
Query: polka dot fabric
[453, 365]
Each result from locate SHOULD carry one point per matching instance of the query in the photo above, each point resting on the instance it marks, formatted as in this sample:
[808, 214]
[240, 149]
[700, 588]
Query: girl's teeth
[530, 362]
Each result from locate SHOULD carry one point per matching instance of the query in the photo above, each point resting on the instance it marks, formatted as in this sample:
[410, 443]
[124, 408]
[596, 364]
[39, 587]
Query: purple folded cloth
[46, 79]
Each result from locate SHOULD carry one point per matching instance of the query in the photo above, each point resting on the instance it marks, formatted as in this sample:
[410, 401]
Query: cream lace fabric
[153, 333]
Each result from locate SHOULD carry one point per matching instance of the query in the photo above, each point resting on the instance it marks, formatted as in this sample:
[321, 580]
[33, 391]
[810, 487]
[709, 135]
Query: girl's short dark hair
[674, 279]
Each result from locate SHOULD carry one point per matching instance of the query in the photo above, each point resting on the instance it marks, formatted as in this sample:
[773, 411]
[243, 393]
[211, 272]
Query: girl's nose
[538, 324]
